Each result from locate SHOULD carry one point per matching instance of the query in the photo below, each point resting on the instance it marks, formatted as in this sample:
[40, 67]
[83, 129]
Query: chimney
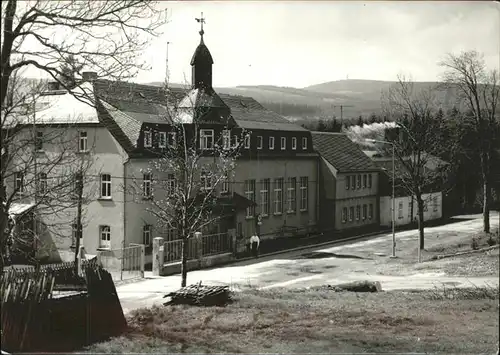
[53, 85]
[89, 75]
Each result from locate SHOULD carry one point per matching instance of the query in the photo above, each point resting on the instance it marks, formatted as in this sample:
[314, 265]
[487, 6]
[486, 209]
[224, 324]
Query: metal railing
[216, 244]
[172, 250]
[125, 263]
[207, 245]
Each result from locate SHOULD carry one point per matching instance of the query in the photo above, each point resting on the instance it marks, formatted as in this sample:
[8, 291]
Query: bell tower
[201, 63]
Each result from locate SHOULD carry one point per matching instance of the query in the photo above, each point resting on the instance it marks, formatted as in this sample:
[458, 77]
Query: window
[146, 185]
[344, 214]
[39, 141]
[247, 141]
[206, 138]
[83, 142]
[260, 142]
[148, 139]
[105, 236]
[435, 204]
[291, 197]
[171, 139]
[162, 139]
[365, 183]
[353, 182]
[358, 212]
[278, 196]
[105, 186]
[400, 210]
[304, 194]
[347, 182]
[75, 233]
[304, 143]
[265, 186]
[235, 142]
[271, 142]
[370, 211]
[42, 183]
[170, 184]
[146, 234]
[250, 194]
[78, 183]
[359, 181]
[225, 184]
[370, 180]
[351, 214]
[364, 212]
[206, 180]
[19, 183]
[294, 143]
[283, 143]
[226, 139]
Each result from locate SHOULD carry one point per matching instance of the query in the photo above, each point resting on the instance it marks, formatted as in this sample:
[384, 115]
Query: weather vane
[201, 21]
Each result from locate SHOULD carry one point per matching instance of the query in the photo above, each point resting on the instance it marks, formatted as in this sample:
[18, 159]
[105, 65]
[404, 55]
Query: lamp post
[393, 194]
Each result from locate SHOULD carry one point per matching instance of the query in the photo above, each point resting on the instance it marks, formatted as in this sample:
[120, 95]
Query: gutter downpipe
[127, 160]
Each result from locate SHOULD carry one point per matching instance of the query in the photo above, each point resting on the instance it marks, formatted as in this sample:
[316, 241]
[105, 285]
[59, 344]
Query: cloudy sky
[304, 43]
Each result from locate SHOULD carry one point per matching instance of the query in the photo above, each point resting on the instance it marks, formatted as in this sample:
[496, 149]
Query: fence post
[158, 256]
[143, 259]
[81, 255]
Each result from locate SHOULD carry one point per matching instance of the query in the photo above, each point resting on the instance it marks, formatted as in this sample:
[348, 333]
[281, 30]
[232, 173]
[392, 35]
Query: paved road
[318, 266]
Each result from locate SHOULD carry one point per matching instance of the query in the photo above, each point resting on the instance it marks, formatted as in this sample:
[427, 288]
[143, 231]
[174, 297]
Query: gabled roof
[341, 152]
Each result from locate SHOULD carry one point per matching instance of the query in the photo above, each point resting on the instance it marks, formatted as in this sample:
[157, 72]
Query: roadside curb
[443, 256]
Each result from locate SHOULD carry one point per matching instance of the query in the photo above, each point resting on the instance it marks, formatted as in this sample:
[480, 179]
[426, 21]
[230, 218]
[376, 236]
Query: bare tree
[184, 180]
[479, 90]
[106, 36]
[70, 69]
[416, 146]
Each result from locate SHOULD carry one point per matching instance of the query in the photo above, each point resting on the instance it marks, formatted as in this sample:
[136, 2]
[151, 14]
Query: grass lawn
[319, 321]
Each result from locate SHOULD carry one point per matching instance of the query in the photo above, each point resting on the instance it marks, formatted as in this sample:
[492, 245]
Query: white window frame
[265, 185]
[171, 139]
[283, 143]
[148, 139]
[162, 140]
[105, 186]
[42, 183]
[247, 141]
[304, 143]
[250, 194]
[171, 184]
[353, 182]
[19, 182]
[365, 211]
[260, 142]
[347, 182]
[83, 142]
[344, 214]
[146, 185]
[400, 210]
[236, 142]
[225, 184]
[351, 213]
[271, 143]
[294, 143]
[365, 181]
[358, 179]
[206, 139]
[104, 237]
[291, 195]
[206, 181]
[278, 196]
[370, 211]
[147, 234]
[226, 139]
[358, 212]
[39, 141]
[304, 193]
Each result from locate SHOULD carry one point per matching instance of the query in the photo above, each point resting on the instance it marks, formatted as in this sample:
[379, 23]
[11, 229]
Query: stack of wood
[201, 295]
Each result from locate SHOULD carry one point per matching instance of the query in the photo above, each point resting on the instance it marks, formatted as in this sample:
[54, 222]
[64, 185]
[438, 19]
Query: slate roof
[341, 152]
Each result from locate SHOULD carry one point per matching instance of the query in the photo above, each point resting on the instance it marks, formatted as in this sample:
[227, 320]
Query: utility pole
[79, 192]
[341, 110]
[37, 183]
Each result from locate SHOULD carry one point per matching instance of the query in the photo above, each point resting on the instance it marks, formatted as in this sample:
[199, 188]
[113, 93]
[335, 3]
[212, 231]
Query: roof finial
[201, 20]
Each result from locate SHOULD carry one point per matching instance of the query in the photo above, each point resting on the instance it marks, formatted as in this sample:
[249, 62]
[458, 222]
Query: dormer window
[171, 139]
[304, 143]
[271, 142]
[247, 141]
[148, 139]
[206, 138]
[162, 139]
[226, 139]
[283, 143]
[294, 143]
[260, 142]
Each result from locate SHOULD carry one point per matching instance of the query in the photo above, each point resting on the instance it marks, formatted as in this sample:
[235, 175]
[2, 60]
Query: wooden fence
[35, 319]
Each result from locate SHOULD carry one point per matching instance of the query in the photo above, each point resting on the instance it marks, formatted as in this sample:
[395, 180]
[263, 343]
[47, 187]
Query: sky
[299, 43]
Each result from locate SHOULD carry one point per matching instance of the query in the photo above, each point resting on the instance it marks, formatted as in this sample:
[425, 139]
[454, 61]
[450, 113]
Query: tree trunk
[184, 270]
[486, 205]
[79, 187]
[420, 205]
